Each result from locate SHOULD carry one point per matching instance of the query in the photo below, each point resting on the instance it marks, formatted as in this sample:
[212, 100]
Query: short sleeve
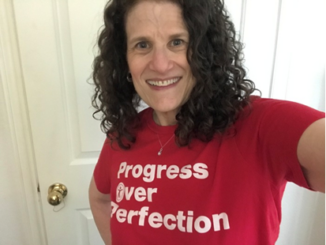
[280, 128]
[102, 169]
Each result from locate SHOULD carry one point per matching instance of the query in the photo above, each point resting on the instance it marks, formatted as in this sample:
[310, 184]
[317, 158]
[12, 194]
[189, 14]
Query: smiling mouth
[163, 83]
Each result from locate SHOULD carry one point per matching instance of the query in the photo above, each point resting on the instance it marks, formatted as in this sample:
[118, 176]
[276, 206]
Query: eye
[177, 42]
[142, 45]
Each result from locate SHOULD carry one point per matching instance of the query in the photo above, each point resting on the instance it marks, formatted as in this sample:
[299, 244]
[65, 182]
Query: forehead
[149, 15]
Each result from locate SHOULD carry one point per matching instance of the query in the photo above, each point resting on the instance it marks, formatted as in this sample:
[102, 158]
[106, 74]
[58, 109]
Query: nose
[161, 61]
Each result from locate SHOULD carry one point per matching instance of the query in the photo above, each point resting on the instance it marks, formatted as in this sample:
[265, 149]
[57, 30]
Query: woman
[206, 163]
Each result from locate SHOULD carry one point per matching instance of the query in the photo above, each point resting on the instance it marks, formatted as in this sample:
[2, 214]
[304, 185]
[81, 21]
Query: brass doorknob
[56, 193]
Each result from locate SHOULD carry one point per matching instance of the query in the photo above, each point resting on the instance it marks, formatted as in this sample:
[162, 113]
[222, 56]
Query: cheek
[190, 85]
[136, 69]
[131, 64]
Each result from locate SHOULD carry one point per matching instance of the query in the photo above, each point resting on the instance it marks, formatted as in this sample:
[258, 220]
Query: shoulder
[271, 130]
[271, 121]
[265, 110]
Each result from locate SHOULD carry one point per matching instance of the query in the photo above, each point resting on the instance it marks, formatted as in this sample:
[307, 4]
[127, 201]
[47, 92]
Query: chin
[166, 108]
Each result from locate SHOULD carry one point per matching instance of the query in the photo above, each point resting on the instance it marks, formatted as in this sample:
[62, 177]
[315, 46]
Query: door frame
[16, 104]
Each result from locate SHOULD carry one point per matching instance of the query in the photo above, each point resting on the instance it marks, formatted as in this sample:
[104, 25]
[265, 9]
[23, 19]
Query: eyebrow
[178, 35]
[136, 39]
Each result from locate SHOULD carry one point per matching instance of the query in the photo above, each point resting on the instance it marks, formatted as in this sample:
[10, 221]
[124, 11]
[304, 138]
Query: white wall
[13, 205]
[285, 56]
[299, 75]
[20, 213]
[13, 209]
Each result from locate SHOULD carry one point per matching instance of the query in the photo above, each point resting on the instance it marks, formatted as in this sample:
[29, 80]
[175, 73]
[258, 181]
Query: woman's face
[157, 41]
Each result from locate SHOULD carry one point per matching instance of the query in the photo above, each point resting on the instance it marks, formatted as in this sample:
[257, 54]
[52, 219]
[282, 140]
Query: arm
[311, 155]
[101, 209]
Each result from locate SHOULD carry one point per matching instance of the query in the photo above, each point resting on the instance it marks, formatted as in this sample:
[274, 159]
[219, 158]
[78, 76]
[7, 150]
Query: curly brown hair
[215, 57]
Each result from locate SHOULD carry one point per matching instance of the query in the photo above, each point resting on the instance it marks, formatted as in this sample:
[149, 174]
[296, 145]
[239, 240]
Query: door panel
[55, 41]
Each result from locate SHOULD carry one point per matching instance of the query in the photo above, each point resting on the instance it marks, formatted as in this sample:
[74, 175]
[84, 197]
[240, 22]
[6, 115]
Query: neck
[164, 118]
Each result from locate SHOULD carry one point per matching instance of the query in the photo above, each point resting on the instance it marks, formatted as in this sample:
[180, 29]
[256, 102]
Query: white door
[56, 40]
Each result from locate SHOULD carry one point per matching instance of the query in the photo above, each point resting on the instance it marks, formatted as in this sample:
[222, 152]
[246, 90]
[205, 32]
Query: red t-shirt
[227, 191]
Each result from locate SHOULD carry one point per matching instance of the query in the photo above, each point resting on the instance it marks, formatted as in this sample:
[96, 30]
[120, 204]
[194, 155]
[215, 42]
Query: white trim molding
[20, 130]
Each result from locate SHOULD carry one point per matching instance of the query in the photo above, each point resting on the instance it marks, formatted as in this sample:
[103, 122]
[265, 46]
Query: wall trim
[275, 47]
[16, 104]
[243, 18]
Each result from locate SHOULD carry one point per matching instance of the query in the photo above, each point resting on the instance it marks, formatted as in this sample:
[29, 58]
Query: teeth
[163, 82]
